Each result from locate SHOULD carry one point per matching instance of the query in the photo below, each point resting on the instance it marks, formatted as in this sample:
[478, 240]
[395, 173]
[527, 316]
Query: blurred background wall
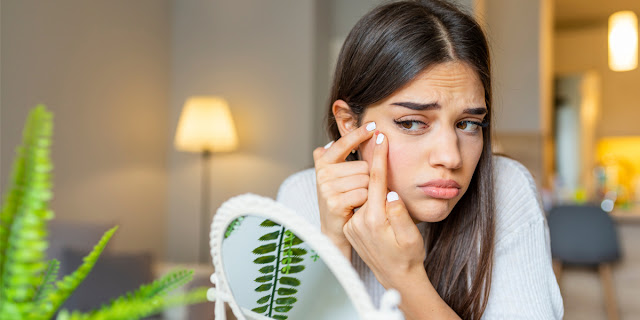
[117, 73]
[103, 68]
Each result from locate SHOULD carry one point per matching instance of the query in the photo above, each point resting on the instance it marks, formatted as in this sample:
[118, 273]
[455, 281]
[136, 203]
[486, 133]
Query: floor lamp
[205, 126]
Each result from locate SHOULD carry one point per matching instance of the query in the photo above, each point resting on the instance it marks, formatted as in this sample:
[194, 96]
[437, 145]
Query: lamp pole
[205, 222]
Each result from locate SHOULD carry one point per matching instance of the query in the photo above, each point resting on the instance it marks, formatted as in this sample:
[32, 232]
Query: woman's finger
[348, 200]
[341, 169]
[318, 152]
[378, 177]
[340, 149]
[344, 184]
[400, 221]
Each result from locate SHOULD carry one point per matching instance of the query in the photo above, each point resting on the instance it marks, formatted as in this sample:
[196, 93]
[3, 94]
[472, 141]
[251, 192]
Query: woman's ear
[345, 118]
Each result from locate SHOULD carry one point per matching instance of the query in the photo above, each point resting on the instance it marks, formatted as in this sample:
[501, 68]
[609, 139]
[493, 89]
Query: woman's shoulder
[517, 200]
[298, 192]
[304, 178]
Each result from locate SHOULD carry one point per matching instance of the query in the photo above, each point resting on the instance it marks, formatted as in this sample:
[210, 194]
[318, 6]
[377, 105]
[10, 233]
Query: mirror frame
[267, 208]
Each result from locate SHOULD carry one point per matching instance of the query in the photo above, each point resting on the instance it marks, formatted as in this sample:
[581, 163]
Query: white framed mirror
[272, 264]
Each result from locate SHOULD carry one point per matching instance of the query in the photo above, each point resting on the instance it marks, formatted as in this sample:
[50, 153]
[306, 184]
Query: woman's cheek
[399, 165]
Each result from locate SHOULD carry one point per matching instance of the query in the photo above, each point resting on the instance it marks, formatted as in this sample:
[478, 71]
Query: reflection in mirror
[273, 273]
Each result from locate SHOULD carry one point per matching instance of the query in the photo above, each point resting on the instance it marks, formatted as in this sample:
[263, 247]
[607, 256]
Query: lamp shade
[623, 41]
[206, 125]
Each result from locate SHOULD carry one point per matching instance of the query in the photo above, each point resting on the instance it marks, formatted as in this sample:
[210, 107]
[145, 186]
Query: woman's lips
[440, 193]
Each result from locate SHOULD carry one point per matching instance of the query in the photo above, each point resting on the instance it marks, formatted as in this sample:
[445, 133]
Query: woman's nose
[445, 151]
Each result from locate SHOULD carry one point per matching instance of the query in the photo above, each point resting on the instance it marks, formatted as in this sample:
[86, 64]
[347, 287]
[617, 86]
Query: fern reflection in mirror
[274, 273]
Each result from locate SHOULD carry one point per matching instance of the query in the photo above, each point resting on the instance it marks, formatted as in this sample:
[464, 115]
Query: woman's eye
[410, 125]
[468, 126]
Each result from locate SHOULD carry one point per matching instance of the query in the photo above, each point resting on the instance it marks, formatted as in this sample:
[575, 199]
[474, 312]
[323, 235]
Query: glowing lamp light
[206, 125]
[623, 41]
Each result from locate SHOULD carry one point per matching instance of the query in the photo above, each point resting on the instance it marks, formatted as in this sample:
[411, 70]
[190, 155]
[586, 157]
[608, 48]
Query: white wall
[513, 31]
[259, 56]
[520, 39]
[102, 67]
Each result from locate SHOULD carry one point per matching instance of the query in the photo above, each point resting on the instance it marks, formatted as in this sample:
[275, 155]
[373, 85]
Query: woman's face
[433, 135]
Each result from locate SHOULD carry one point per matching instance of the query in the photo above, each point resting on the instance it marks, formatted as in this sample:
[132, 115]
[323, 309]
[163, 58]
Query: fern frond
[69, 283]
[164, 285]
[137, 306]
[233, 226]
[49, 277]
[23, 217]
[285, 252]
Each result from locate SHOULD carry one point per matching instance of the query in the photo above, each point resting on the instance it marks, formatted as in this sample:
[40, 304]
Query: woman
[420, 204]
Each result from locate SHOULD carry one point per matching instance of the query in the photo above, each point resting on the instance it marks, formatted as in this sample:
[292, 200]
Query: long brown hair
[385, 50]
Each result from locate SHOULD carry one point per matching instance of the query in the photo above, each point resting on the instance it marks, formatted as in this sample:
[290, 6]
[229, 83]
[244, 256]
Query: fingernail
[371, 126]
[392, 196]
[328, 145]
[380, 138]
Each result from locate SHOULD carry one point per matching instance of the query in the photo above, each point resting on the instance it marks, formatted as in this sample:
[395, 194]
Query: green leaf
[267, 269]
[290, 281]
[129, 307]
[48, 279]
[264, 278]
[280, 317]
[293, 269]
[28, 286]
[293, 241]
[292, 260]
[233, 226]
[264, 299]
[267, 248]
[69, 283]
[262, 309]
[286, 301]
[165, 284]
[264, 259]
[264, 287]
[298, 251]
[283, 308]
[270, 236]
[23, 218]
[268, 223]
[287, 291]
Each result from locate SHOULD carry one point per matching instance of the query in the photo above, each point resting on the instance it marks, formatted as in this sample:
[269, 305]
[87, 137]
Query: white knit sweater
[523, 285]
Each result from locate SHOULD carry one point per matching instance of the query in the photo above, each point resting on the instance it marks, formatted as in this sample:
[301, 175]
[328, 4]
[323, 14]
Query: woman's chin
[430, 210]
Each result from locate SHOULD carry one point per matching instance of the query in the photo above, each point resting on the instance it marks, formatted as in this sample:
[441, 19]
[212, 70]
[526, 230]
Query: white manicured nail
[392, 196]
[371, 126]
[380, 138]
[328, 145]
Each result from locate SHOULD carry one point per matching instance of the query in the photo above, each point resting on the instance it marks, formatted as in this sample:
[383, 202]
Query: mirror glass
[274, 274]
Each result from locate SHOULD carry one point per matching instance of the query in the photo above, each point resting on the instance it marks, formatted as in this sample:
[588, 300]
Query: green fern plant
[29, 286]
[281, 257]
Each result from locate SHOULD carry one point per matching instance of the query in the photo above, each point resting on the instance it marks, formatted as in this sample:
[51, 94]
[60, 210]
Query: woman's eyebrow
[476, 111]
[436, 106]
[418, 106]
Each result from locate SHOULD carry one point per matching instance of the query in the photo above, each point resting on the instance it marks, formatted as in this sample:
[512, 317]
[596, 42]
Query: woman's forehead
[446, 82]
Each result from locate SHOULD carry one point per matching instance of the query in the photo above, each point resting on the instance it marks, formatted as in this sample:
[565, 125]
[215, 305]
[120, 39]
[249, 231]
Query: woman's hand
[341, 185]
[382, 231]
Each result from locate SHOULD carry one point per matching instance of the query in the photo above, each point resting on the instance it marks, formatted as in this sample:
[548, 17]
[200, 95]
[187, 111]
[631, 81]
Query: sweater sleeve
[523, 285]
